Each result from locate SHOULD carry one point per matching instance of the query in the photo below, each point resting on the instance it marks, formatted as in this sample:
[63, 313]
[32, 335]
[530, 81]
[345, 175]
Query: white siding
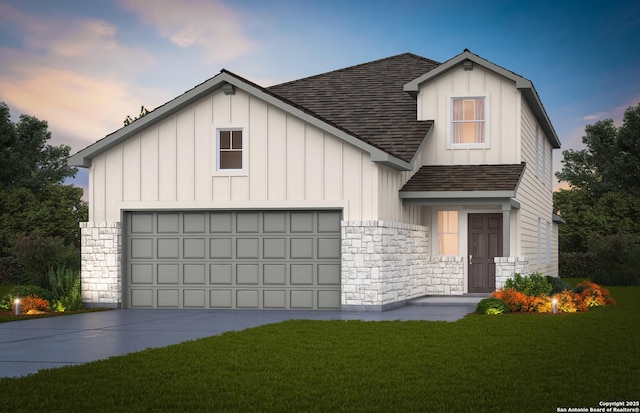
[289, 164]
[434, 103]
[535, 198]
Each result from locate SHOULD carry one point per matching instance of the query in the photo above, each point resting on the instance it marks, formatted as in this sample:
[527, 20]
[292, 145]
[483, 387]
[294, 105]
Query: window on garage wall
[229, 147]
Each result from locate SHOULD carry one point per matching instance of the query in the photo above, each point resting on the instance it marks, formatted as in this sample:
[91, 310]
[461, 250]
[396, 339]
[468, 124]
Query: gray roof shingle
[368, 101]
[465, 178]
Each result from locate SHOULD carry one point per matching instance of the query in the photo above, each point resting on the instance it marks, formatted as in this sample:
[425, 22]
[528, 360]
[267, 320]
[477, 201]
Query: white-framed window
[230, 144]
[539, 241]
[448, 234]
[544, 161]
[468, 121]
[537, 151]
[548, 242]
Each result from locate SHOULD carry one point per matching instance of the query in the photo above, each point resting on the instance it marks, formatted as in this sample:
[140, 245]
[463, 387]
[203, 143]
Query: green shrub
[575, 265]
[65, 285]
[38, 254]
[492, 306]
[558, 285]
[534, 284]
[21, 291]
[616, 259]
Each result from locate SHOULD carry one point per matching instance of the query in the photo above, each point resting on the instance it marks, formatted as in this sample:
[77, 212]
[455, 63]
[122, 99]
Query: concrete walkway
[30, 345]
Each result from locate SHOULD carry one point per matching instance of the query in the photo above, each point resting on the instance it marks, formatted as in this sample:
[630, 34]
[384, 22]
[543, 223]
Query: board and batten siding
[172, 164]
[434, 103]
[535, 196]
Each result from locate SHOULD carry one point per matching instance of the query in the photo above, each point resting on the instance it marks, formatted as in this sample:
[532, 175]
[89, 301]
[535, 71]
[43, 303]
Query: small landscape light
[554, 305]
[17, 306]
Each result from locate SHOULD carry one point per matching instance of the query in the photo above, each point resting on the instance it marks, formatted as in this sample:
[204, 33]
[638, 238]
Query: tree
[611, 159]
[143, 112]
[32, 194]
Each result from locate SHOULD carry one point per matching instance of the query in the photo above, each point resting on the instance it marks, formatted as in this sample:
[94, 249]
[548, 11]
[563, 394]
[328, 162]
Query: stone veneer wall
[383, 264]
[101, 264]
[444, 275]
[506, 267]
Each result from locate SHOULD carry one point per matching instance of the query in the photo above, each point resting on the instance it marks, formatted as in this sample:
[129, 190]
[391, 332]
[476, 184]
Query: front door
[485, 243]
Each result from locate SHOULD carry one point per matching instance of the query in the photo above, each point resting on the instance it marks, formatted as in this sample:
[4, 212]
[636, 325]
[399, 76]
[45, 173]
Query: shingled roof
[368, 101]
[465, 178]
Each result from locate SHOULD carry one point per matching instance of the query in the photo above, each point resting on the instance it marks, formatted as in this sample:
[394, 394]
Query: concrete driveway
[44, 343]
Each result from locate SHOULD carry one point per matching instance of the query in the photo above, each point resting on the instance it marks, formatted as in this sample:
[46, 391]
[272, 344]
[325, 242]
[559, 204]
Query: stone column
[101, 252]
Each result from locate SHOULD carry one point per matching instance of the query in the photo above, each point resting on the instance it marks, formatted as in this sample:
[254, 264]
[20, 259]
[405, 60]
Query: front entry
[485, 243]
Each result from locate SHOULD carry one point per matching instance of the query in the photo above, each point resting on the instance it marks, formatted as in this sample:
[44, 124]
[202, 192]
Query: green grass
[481, 363]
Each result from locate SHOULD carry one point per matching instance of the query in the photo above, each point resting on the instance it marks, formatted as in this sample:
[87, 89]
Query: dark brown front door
[485, 243]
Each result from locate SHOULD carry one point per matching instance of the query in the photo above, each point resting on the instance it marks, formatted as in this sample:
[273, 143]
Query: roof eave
[456, 194]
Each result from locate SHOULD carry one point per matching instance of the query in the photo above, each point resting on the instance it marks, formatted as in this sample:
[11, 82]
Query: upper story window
[229, 149]
[468, 121]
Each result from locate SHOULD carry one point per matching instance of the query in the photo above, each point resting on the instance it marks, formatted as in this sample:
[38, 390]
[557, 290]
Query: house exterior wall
[434, 102]
[535, 196]
[289, 164]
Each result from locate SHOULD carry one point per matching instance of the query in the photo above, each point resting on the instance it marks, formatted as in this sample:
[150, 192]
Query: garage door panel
[329, 248]
[221, 222]
[221, 248]
[168, 248]
[141, 297]
[302, 299]
[247, 299]
[168, 274]
[194, 298]
[141, 223]
[221, 274]
[141, 273]
[301, 248]
[274, 274]
[168, 223]
[328, 299]
[247, 222]
[247, 248]
[168, 298]
[328, 274]
[194, 222]
[141, 248]
[274, 222]
[221, 298]
[301, 274]
[194, 274]
[274, 248]
[195, 248]
[274, 298]
[233, 259]
[248, 274]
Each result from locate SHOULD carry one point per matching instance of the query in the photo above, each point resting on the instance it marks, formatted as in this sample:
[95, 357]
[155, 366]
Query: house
[357, 189]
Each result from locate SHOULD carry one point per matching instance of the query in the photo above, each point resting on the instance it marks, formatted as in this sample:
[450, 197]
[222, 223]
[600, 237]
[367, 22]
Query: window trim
[487, 117]
[244, 169]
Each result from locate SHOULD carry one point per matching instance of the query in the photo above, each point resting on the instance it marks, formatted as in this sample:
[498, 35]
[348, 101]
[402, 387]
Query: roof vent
[467, 64]
[228, 89]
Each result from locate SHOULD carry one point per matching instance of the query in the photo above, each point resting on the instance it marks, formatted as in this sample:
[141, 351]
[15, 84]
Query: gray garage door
[233, 259]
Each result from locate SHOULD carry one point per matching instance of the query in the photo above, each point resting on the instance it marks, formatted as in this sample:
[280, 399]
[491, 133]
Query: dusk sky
[83, 66]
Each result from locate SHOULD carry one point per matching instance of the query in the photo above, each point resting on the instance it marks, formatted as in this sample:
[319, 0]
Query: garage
[285, 259]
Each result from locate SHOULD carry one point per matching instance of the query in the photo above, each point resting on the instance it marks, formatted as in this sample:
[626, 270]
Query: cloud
[595, 116]
[74, 74]
[206, 24]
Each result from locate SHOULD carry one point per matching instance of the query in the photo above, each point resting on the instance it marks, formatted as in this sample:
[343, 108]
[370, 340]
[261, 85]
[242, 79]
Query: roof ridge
[413, 55]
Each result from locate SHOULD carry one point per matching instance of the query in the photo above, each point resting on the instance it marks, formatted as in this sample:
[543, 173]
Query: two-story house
[357, 189]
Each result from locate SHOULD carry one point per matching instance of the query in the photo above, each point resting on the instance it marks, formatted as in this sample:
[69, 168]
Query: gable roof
[436, 180]
[524, 85]
[368, 100]
[83, 157]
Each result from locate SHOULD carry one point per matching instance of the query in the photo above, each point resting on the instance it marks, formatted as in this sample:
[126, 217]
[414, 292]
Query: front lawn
[520, 363]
